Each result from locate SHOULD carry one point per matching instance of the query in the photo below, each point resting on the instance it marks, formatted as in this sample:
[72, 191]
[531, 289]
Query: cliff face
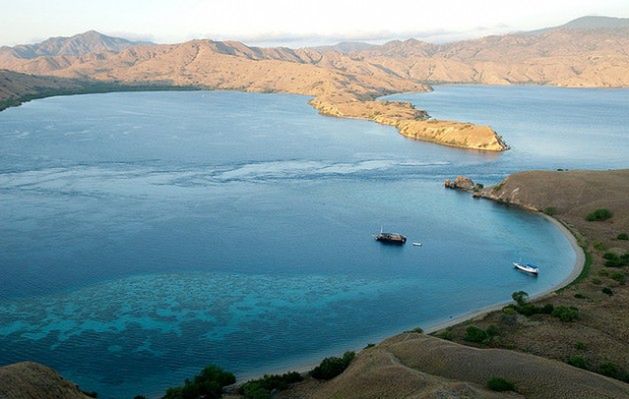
[28, 380]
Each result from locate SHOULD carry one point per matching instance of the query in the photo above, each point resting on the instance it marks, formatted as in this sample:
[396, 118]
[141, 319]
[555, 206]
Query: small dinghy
[417, 244]
[526, 268]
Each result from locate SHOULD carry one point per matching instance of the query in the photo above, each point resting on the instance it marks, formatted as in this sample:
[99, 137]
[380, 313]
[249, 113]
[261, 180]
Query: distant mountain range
[344, 79]
[84, 43]
[589, 51]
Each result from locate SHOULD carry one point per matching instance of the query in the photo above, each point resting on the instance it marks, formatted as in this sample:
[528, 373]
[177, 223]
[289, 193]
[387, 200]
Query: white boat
[526, 268]
[417, 244]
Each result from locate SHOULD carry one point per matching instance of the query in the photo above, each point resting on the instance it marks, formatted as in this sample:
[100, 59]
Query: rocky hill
[28, 380]
[77, 45]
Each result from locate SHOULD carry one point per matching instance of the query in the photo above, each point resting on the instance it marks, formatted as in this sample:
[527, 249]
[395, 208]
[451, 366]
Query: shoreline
[304, 365]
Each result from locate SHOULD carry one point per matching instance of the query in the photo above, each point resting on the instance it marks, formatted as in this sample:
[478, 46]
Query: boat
[390, 238]
[417, 244]
[526, 268]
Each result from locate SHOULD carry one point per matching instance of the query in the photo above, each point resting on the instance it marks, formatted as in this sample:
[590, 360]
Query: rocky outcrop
[463, 183]
[28, 380]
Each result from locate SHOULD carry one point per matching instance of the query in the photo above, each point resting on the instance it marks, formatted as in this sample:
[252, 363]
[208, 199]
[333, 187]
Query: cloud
[374, 37]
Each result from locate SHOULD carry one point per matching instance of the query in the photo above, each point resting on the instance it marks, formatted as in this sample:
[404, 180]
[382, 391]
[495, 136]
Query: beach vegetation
[416, 330]
[499, 384]
[446, 334]
[330, 367]
[370, 346]
[550, 211]
[263, 388]
[578, 361]
[520, 297]
[209, 383]
[475, 334]
[566, 313]
[599, 246]
[580, 346]
[607, 291]
[622, 236]
[599, 215]
[579, 295]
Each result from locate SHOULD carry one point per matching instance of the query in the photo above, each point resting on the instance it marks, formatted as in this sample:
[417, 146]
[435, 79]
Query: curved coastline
[307, 363]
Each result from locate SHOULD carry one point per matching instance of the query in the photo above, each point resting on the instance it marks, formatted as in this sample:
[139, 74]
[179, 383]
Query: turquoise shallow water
[145, 235]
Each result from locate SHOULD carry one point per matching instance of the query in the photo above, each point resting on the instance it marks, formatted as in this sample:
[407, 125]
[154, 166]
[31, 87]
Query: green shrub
[580, 346]
[614, 260]
[565, 313]
[262, 388]
[550, 211]
[623, 236]
[509, 310]
[599, 246]
[447, 334]
[330, 367]
[578, 295]
[620, 277]
[208, 383]
[613, 371]
[475, 334]
[578, 361]
[500, 385]
[493, 330]
[416, 330]
[608, 291]
[520, 297]
[599, 215]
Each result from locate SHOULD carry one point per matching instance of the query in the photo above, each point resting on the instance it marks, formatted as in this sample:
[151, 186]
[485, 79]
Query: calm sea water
[145, 235]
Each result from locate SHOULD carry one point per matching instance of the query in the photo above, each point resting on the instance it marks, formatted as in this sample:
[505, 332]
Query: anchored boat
[390, 238]
[526, 268]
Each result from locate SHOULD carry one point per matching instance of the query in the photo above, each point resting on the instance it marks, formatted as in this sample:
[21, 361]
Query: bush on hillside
[262, 388]
[500, 385]
[623, 236]
[566, 313]
[599, 215]
[207, 384]
[475, 334]
[330, 367]
[578, 361]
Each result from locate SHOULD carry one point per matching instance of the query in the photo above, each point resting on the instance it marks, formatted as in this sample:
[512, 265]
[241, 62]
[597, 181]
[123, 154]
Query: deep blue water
[145, 235]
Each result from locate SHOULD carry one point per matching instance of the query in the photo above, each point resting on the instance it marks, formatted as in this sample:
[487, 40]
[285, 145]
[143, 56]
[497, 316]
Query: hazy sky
[289, 22]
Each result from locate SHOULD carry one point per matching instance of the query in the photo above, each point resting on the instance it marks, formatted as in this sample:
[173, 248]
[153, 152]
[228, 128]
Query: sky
[292, 23]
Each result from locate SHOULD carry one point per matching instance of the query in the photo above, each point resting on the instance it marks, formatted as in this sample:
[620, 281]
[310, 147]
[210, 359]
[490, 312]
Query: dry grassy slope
[15, 85]
[28, 380]
[413, 365]
[573, 194]
[562, 57]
